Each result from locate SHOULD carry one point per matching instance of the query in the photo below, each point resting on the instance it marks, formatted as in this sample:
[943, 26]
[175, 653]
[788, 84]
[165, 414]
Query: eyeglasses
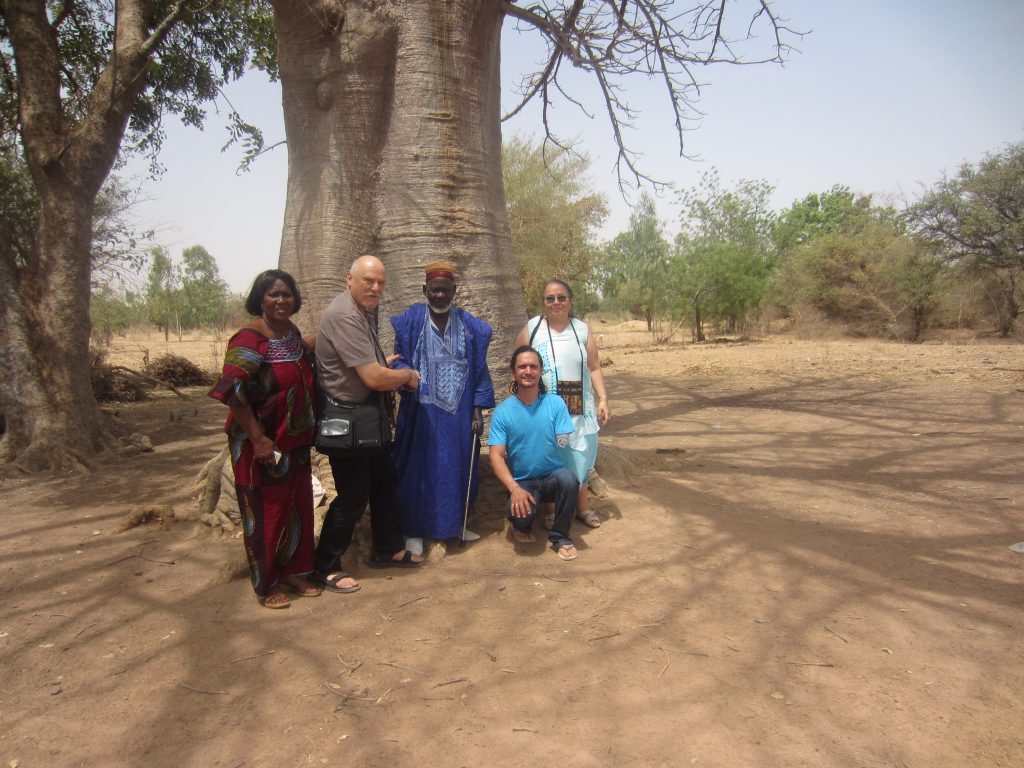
[552, 299]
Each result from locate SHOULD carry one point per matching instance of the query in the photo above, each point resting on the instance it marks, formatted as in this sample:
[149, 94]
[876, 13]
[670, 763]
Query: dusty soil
[805, 562]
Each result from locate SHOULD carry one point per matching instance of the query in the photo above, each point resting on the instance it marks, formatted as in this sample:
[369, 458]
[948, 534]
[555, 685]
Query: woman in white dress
[572, 368]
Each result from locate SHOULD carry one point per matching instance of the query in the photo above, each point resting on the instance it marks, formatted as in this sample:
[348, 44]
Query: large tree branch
[120, 82]
[37, 62]
[159, 34]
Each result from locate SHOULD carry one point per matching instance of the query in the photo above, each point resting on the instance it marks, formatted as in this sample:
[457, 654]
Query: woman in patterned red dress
[268, 385]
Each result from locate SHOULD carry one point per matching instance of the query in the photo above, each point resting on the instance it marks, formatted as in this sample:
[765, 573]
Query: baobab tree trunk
[392, 115]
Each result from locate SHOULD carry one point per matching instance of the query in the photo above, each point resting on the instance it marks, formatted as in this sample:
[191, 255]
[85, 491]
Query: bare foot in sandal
[339, 581]
[276, 599]
[300, 587]
[567, 552]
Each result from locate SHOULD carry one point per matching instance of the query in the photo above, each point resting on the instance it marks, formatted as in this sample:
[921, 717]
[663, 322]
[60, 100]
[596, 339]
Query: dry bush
[112, 385]
[808, 322]
[177, 371]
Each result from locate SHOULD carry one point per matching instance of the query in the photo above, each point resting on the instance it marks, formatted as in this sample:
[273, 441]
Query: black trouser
[356, 481]
[561, 487]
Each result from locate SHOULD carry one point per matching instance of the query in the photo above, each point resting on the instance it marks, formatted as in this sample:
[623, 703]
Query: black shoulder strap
[535, 329]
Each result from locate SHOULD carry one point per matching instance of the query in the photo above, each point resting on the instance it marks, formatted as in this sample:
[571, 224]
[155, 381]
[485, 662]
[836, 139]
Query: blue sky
[883, 97]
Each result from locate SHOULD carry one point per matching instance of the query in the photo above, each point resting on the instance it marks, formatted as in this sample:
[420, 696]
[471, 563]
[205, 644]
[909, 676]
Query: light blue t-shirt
[528, 433]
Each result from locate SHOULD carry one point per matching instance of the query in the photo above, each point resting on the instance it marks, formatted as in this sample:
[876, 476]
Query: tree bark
[1010, 309]
[392, 116]
[52, 418]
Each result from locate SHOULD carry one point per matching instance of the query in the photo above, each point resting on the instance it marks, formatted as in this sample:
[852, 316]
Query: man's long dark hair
[513, 387]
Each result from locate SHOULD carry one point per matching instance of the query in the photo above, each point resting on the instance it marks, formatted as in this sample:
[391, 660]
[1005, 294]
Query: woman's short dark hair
[262, 283]
[512, 365]
[565, 285]
[556, 281]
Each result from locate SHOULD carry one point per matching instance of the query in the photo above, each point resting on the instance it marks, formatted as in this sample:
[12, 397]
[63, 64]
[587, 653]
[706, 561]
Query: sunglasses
[552, 299]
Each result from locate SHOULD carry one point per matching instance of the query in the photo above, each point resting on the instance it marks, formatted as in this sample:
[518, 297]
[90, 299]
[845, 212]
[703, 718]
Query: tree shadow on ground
[759, 597]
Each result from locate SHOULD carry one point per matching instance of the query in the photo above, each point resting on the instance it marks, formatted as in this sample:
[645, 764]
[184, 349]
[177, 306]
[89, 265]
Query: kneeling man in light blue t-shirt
[526, 433]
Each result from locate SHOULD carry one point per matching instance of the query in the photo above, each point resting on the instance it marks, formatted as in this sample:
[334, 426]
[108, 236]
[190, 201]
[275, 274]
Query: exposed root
[206, 489]
[45, 457]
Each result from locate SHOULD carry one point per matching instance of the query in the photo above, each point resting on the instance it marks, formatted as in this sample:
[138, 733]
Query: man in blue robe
[439, 425]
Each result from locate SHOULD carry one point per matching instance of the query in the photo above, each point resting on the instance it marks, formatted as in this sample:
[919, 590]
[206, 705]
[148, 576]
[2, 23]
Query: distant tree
[235, 315]
[740, 215]
[818, 214]
[553, 214]
[919, 282]
[718, 281]
[724, 252]
[112, 312]
[837, 212]
[204, 294]
[976, 218]
[691, 280]
[874, 279]
[163, 292]
[635, 262]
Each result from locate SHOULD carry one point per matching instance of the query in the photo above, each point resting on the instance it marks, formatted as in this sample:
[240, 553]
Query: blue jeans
[561, 487]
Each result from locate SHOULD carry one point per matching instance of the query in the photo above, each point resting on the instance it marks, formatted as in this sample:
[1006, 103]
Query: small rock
[139, 442]
[57, 689]
[142, 515]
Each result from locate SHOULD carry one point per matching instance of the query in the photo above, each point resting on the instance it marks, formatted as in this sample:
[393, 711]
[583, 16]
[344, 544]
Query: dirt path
[805, 563]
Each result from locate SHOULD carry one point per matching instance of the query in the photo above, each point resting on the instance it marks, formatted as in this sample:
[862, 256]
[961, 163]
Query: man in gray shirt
[350, 365]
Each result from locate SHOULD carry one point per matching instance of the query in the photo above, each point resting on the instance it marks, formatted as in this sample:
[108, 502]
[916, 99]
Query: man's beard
[443, 310]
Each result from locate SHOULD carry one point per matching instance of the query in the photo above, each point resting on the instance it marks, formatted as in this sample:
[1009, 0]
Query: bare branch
[612, 39]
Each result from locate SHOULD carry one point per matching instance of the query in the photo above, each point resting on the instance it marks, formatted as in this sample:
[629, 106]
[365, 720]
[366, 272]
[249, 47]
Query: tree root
[48, 457]
[206, 488]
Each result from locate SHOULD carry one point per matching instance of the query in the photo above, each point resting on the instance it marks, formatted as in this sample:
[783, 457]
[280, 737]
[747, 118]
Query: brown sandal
[300, 587]
[275, 600]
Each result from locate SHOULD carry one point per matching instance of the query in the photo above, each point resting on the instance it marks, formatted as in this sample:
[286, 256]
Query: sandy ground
[804, 562]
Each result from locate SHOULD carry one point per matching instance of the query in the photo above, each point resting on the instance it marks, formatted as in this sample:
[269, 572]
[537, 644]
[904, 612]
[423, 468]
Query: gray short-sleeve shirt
[344, 340]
